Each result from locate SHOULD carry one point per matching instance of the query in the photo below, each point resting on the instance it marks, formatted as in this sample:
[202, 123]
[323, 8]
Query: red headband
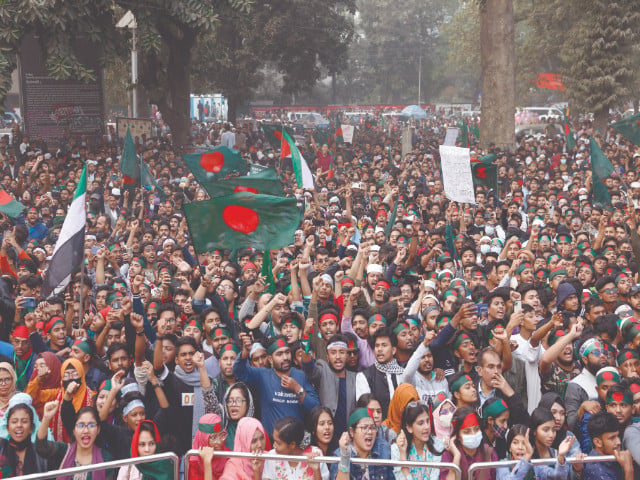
[21, 332]
[384, 283]
[327, 316]
[471, 420]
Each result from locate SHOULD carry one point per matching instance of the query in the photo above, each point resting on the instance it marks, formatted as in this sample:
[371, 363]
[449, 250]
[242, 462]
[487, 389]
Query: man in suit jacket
[335, 384]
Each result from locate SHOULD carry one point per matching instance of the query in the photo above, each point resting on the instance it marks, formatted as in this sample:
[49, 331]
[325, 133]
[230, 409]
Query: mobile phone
[29, 302]
[483, 309]
[116, 305]
[175, 283]
[95, 249]
[114, 178]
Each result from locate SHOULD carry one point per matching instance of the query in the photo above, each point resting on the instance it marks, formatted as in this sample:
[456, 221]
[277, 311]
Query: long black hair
[546, 402]
[411, 412]
[290, 430]
[539, 416]
[312, 426]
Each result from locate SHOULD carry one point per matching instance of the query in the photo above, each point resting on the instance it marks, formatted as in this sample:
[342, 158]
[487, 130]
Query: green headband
[210, 428]
[358, 415]
[293, 320]
[220, 332]
[230, 347]
[460, 339]
[607, 374]
[494, 409]
[522, 267]
[457, 385]
[377, 318]
[626, 354]
[400, 327]
[277, 345]
[194, 323]
[84, 346]
[450, 293]
[619, 397]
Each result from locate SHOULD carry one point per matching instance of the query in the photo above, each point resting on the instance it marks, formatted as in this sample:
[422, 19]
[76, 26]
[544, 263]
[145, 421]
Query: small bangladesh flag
[265, 182]
[273, 133]
[135, 172]
[288, 148]
[217, 164]
[570, 137]
[9, 205]
[263, 222]
[629, 128]
[601, 168]
[484, 171]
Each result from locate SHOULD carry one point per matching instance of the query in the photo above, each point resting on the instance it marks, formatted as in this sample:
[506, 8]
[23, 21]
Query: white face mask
[582, 197]
[472, 441]
[485, 248]
[445, 420]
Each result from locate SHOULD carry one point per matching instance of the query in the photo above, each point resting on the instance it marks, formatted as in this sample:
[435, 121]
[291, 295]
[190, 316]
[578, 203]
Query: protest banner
[456, 174]
[451, 136]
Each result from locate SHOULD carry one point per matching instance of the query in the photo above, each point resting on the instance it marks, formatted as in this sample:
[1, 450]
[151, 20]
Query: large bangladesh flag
[9, 205]
[629, 128]
[601, 168]
[136, 173]
[217, 164]
[242, 219]
[265, 182]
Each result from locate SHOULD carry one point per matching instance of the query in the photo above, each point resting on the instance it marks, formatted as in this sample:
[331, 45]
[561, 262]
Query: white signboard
[456, 174]
[451, 136]
[347, 133]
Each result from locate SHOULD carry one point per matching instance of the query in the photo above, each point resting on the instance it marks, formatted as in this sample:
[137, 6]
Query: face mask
[499, 431]
[563, 161]
[496, 249]
[565, 178]
[484, 249]
[445, 420]
[489, 230]
[582, 197]
[472, 441]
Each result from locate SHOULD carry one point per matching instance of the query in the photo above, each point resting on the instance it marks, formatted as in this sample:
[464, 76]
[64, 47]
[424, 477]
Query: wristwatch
[300, 393]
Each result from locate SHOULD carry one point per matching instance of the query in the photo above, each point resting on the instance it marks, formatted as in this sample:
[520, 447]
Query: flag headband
[460, 382]
[337, 345]
[471, 420]
[358, 415]
[494, 409]
[277, 345]
[131, 406]
[619, 397]
[588, 346]
[211, 428]
[607, 374]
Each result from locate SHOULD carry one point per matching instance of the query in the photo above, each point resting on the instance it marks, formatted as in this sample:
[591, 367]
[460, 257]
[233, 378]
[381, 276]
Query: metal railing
[536, 461]
[175, 460]
[322, 459]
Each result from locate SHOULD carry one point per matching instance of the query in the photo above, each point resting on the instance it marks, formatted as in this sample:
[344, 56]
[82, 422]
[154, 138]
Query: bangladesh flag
[288, 148]
[9, 205]
[570, 138]
[263, 222]
[629, 128]
[273, 133]
[217, 164]
[267, 272]
[136, 172]
[601, 167]
[484, 171]
[265, 182]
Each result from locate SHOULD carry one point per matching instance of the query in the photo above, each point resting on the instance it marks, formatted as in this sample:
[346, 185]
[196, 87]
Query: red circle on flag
[240, 188]
[127, 180]
[212, 161]
[280, 343]
[635, 388]
[278, 135]
[607, 376]
[241, 219]
[628, 355]
[617, 396]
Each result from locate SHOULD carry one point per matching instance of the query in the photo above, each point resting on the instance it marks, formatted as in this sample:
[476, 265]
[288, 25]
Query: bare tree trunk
[497, 48]
[601, 121]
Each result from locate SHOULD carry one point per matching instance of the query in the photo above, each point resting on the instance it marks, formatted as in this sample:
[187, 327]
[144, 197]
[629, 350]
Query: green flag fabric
[267, 272]
[570, 138]
[629, 128]
[136, 172]
[242, 219]
[265, 182]
[392, 219]
[9, 205]
[484, 171]
[273, 133]
[216, 164]
[304, 177]
[601, 167]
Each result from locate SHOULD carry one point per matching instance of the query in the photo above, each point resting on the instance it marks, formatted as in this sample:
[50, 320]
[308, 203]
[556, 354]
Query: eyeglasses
[353, 353]
[366, 428]
[89, 426]
[170, 320]
[610, 291]
[235, 401]
[6, 381]
[598, 352]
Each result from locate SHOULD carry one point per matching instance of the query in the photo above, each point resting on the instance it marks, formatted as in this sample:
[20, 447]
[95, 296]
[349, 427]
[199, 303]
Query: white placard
[456, 174]
[451, 136]
[347, 133]
[407, 144]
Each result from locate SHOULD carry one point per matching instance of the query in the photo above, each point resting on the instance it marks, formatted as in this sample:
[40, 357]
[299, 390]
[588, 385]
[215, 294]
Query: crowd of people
[402, 326]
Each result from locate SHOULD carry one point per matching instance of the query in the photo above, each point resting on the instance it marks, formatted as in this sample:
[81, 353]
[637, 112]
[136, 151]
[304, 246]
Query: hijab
[202, 440]
[443, 432]
[52, 380]
[4, 402]
[240, 468]
[24, 399]
[82, 398]
[404, 394]
[546, 402]
[158, 470]
[231, 425]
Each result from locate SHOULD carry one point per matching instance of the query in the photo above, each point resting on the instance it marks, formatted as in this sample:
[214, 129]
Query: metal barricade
[175, 460]
[322, 459]
[536, 461]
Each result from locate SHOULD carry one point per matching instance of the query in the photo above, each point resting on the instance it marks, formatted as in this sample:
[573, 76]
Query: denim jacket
[381, 449]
